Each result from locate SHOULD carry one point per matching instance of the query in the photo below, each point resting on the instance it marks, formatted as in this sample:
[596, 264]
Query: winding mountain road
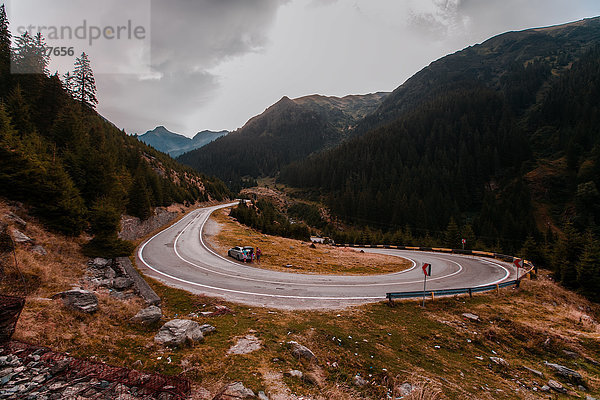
[179, 257]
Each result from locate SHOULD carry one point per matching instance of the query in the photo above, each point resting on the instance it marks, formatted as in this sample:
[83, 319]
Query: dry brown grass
[435, 349]
[279, 252]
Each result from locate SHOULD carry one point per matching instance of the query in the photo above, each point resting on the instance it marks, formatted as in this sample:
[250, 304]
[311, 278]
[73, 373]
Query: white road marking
[212, 209]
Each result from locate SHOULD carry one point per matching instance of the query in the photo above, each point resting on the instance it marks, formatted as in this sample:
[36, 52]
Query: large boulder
[80, 300]
[148, 316]
[179, 331]
[20, 237]
[235, 390]
[301, 351]
[565, 372]
[122, 283]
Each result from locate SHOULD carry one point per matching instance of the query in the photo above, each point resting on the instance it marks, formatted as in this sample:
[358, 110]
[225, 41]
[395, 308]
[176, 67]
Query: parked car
[238, 252]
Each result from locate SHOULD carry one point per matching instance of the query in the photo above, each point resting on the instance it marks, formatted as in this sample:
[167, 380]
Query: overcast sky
[216, 63]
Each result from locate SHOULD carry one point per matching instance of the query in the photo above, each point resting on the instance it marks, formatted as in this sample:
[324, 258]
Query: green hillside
[287, 131]
[499, 143]
[77, 171]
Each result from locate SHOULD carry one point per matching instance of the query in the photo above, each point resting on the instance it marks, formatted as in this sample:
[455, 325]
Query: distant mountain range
[175, 144]
[289, 130]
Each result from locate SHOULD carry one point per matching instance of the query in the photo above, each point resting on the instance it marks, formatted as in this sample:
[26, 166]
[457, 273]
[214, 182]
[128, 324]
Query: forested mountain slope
[287, 131]
[501, 137]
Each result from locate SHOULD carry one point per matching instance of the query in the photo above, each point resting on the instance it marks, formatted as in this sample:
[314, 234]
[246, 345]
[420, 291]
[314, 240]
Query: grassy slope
[516, 324]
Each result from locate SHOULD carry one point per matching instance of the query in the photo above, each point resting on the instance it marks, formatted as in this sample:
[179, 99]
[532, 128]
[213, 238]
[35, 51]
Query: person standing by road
[258, 254]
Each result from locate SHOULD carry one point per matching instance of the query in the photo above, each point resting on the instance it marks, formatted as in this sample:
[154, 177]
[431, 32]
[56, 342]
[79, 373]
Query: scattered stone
[534, 371]
[207, 329]
[301, 351]
[179, 331]
[235, 390]
[262, 396]
[110, 273]
[556, 386]
[100, 263]
[80, 300]
[122, 283]
[16, 219]
[37, 249]
[138, 364]
[406, 389]
[545, 388]
[294, 373]
[148, 316]
[470, 316]
[500, 361]
[565, 372]
[20, 237]
[359, 381]
[588, 397]
[59, 367]
[245, 345]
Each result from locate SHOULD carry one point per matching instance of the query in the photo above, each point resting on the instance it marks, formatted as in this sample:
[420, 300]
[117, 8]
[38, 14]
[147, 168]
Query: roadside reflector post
[470, 293]
[497, 289]
[432, 295]
[426, 272]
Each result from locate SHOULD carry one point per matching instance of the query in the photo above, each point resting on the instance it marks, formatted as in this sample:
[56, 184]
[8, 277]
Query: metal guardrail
[451, 292]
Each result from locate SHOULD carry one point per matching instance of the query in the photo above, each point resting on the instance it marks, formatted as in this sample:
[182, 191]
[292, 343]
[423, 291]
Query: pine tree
[452, 235]
[29, 55]
[5, 52]
[69, 83]
[84, 84]
[588, 268]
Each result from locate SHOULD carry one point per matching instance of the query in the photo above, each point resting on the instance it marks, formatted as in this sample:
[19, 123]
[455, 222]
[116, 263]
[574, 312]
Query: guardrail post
[470, 293]
[432, 295]
[497, 289]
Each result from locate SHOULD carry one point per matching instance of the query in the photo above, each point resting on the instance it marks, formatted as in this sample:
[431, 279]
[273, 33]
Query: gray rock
[545, 388]
[245, 345]
[470, 316]
[20, 237]
[207, 329]
[110, 273]
[294, 373]
[179, 331]
[100, 263]
[556, 386]
[122, 283]
[534, 371]
[236, 390]
[359, 381]
[16, 219]
[301, 351]
[262, 396]
[148, 316]
[565, 372]
[500, 361]
[39, 250]
[406, 389]
[80, 300]
[588, 397]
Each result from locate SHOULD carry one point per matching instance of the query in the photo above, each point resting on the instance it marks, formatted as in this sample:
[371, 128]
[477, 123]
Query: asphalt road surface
[180, 257]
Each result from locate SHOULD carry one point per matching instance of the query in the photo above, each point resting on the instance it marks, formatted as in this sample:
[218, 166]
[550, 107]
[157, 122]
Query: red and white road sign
[464, 241]
[427, 269]
[518, 263]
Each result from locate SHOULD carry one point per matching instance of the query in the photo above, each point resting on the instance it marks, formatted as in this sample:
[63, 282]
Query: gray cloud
[188, 38]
